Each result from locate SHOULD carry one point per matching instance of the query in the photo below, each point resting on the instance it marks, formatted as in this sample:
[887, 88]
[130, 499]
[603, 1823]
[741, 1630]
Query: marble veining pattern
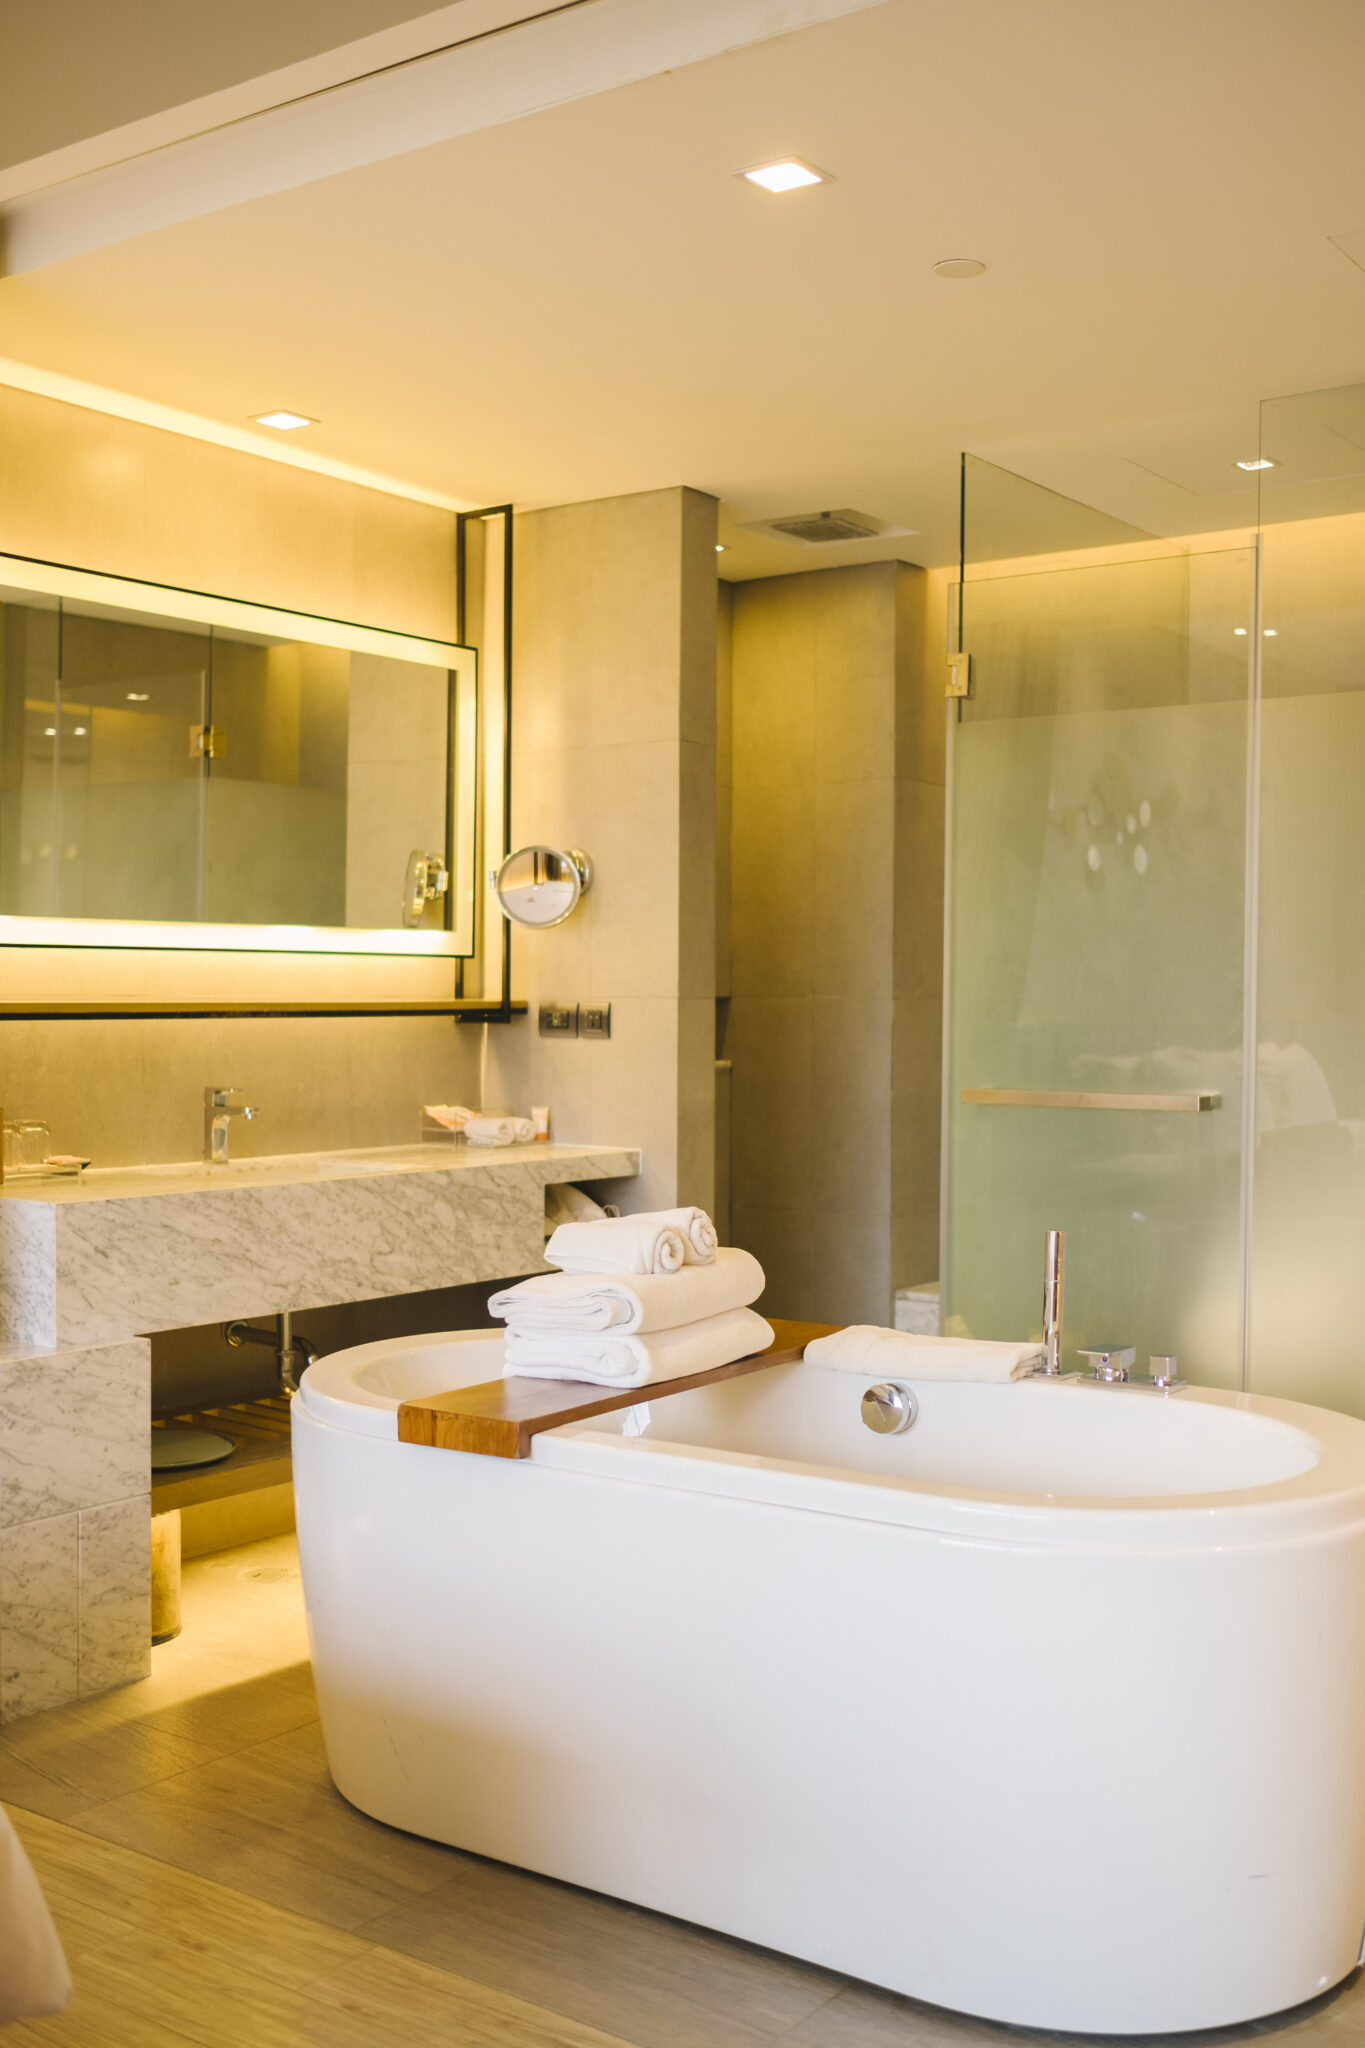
[114, 1600]
[109, 1267]
[39, 1637]
[73, 1430]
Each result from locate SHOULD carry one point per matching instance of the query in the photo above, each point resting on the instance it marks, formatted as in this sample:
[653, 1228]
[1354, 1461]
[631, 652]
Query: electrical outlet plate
[559, 1020]
[594, 1020]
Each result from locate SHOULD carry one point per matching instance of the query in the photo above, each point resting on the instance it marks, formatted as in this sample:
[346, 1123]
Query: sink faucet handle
[1164, 1368]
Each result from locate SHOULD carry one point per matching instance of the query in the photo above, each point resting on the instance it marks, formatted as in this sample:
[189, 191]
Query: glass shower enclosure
[1156, 920]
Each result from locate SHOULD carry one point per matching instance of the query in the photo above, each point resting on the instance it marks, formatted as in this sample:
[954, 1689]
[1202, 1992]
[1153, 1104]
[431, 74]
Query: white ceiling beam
[505, 66]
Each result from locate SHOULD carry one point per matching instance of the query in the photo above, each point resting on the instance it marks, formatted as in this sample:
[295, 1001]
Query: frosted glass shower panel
[1307, 1337]
[1096, 918]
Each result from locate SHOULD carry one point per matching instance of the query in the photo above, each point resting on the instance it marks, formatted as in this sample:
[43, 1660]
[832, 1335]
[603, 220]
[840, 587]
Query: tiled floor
[214, 1889]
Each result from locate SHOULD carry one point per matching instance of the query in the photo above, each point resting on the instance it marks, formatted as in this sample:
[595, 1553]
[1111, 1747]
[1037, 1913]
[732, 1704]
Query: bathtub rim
[1330, 1495]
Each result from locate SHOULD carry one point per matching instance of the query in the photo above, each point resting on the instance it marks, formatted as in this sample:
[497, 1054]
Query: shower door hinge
[207, 742]
[959, 676]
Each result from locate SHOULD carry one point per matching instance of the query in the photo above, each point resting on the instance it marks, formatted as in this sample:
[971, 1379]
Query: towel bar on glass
[1194, 1099]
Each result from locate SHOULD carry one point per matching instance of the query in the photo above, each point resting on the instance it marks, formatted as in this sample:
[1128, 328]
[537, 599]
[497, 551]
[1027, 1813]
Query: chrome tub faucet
[218, 1111]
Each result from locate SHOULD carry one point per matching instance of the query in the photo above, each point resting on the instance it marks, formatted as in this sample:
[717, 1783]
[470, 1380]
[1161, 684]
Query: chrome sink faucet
[1053, 1281]
[217, 1112]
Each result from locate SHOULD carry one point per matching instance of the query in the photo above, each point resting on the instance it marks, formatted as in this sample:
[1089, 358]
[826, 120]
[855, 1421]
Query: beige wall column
[614, 750]
[837, 859]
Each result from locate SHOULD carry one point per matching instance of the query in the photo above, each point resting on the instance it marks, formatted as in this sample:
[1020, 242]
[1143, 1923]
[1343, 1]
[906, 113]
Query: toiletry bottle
[541, 1119]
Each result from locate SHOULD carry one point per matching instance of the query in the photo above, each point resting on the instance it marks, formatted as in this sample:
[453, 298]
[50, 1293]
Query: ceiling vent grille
[816, 528]
[819, 529]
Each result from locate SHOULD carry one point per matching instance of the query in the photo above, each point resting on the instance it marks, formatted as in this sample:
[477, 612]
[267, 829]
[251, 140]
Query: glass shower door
[1097, 907]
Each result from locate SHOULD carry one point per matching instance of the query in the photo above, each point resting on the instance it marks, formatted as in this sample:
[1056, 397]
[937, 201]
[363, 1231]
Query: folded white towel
[618, 1244]
[642, 1302]
[698, 1232]
[616, 1358]
[900, 1355]
[499, 1130]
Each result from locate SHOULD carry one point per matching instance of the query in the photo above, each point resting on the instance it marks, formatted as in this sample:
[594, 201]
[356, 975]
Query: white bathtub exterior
[1091, 1762]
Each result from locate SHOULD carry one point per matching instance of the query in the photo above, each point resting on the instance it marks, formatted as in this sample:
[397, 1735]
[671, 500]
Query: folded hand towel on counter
[618, 1244]
[617, 1358]
[900, 1355]
[576, 1302]
[499, 1130]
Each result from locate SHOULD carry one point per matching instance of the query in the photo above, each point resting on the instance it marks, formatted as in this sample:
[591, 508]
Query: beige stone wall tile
[774, 693]
[771, 1046]
[39, 1633]
[916, 1106]
[698, 860]
[697, 619]
[598, 624]
[784, 1242]
[115, 1574]
[725, 786]
[774, 857]
[636, 1078]
[697, 1101]
[921, 660]
[918, 947]
[854, 650]
[855, 869]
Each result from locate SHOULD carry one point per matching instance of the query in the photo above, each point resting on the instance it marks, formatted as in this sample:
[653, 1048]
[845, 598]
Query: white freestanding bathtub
[1051, 1710]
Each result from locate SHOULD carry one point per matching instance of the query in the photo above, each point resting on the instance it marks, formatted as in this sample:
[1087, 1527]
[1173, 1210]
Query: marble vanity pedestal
[88, 1268]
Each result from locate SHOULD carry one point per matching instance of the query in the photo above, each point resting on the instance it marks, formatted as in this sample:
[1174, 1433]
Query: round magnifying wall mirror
[539, 886]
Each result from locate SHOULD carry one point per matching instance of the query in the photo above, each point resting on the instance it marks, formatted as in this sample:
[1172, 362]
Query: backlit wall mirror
[183, 770]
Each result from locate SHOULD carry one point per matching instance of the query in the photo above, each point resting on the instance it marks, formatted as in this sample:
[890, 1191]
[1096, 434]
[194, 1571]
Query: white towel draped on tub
[900, 1355]
[618, 1244]
[34, 1978]
[630, 1302]
[619, 1358]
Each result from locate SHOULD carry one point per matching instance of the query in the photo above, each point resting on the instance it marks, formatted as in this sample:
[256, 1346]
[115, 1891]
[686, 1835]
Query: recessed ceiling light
[137, 696]
[49, 732]
[285, 421]
[784, 176]
[720, 547]
[80, 732]
[959, 266]
[1261, 462]
[1240, 632]
[1272, 633]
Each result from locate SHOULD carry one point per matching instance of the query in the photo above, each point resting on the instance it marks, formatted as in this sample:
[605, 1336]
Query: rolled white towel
[618, 1244]
[617, 1358]
[643, 1302]
[524, 1130]
[491, 1130]
[698, 1232]
[900, 1355]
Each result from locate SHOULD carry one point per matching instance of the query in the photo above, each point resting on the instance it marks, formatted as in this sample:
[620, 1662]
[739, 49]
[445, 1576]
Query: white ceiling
[585, 301]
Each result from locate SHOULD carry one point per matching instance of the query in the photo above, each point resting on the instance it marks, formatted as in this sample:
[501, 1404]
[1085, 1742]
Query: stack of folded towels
[636, 1299]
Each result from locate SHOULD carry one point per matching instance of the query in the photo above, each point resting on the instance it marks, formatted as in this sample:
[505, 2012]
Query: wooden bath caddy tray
[499, 1418]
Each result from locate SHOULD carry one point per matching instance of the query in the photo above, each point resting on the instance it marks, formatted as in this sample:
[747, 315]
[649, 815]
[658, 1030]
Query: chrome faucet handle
[1164, 1368]
[1113, 1363]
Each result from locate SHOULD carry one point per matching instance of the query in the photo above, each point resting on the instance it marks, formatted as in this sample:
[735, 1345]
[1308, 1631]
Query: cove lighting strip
[194, 426]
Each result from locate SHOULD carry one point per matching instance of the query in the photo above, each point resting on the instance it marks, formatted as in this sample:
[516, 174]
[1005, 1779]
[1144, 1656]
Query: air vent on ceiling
[820, 526]
[818, 529]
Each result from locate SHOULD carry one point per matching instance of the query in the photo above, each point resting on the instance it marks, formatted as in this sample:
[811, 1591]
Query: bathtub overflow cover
[889, 1409]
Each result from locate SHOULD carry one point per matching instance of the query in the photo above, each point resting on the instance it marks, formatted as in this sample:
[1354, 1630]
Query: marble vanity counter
[128, 1250]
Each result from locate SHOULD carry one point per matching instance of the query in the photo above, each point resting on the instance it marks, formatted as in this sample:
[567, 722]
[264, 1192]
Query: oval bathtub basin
[1048, 1710]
